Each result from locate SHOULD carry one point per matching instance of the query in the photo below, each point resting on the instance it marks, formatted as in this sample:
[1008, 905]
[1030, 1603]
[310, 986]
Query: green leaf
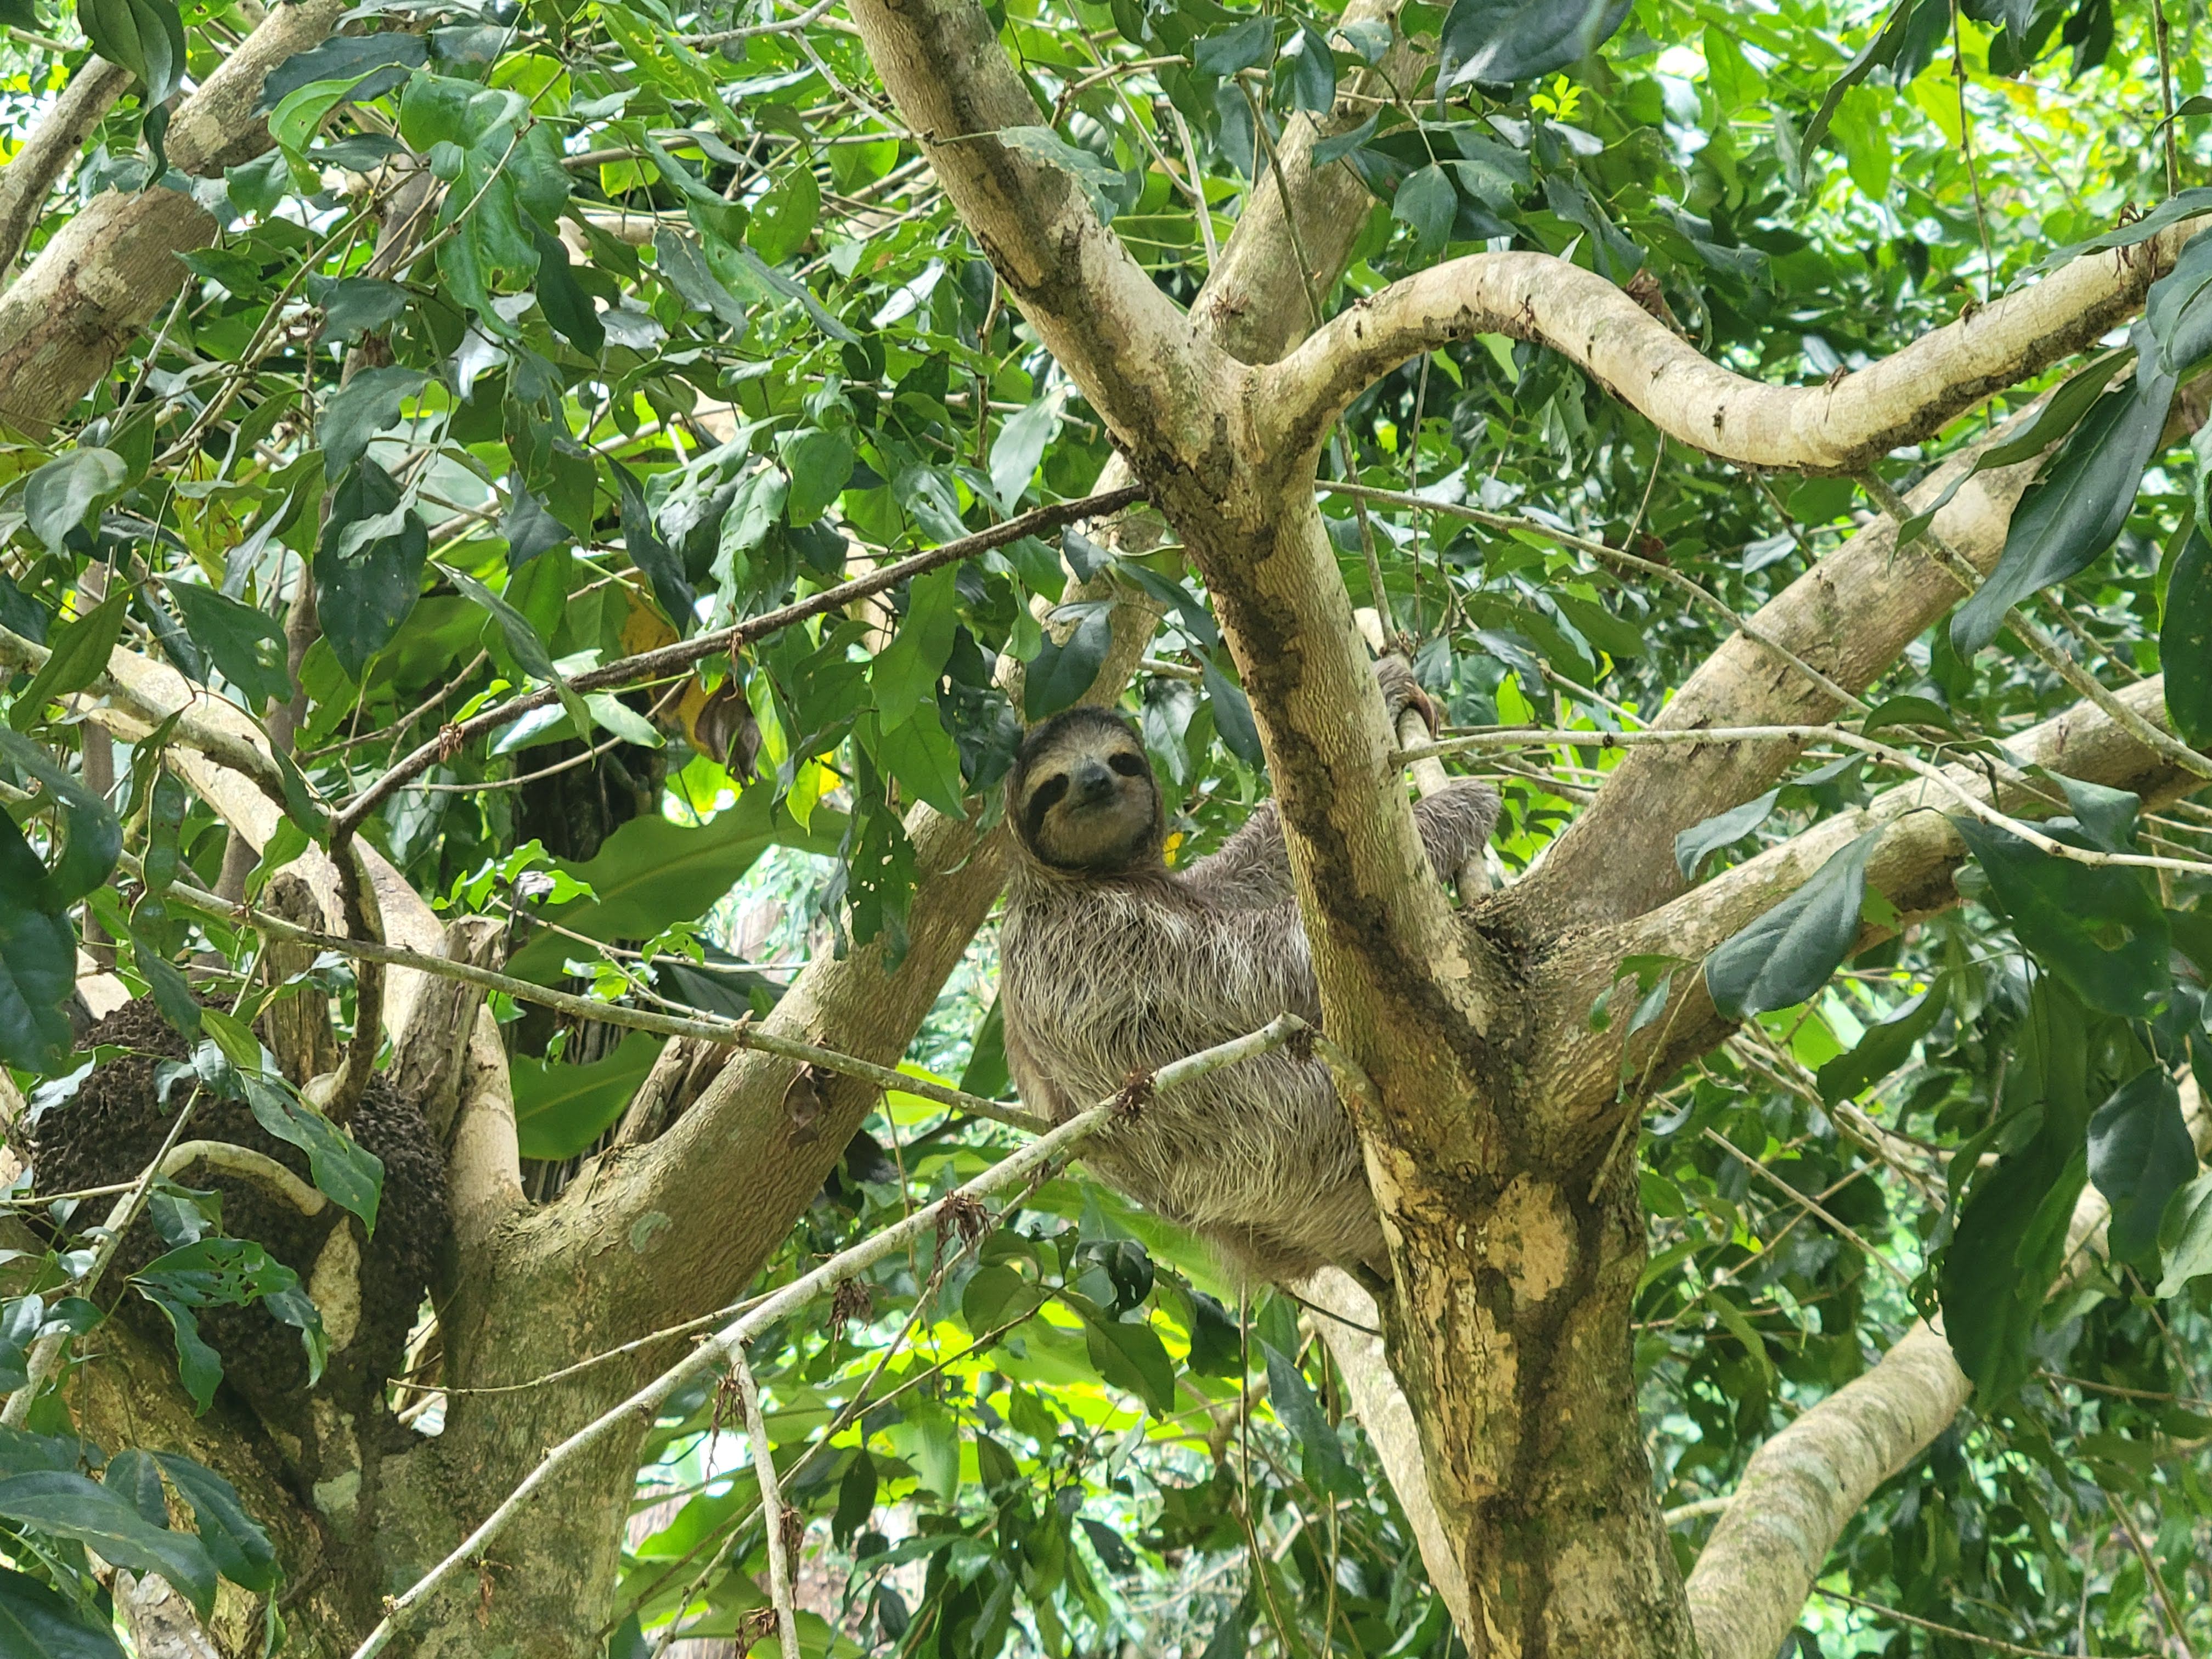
[1019, 450]
[611, 714]
[1501, 41]
[1313, 72]
[529, 526]
[133, 1476]
[369, 566]
[362, 408]
[80, 651]
[38, 960]
[922, 756]
[685, 269]
[568, 310]
[1722, 829]
[1216, 1347]
[1884, 1048]
[651, 554]
[786, 215]
[820, 464]
[1321, 1454]
[1064, 670]
[1093, 177]
[353, 305]
[344, 58]
[1241, 46]
[200, 1367]
[246, 645]
[2178, 310]
[2185, 1235]
[1426, 201]
[2140, 1155]
[2060, 414]
[1232, 714]
[997, 1294]
[94, 837]
[36, 1623]
[146, 37]
[240, 1548]
[2100, 929]
[1786, 955]
[65, 497]
[561, 1109]
[1991, 1296]
[2185, 642]
[528, 646]
[346, 1172]
[2073, 513]
[69, 1506]
[904, 674]
[1132, 1357]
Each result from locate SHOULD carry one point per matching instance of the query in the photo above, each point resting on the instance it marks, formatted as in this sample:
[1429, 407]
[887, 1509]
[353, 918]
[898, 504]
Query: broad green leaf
[560, 1110]
[1500, 41]
[1216, 1347]
[1242, 45]
[1787, 954]
[2072, 514]
[1321, 1454]
[650, 554]
[1132, 1357]
[364, 406]
[38, 960]
[651, 873]
[1232, 714]
[529, 526]
[2185, 1235]
[132, 1475]
[92, 836]
[2178, 310]
[2185, 642]
[80, 651]
[1722, 829]
[2140, 1155]
[1884, 1048]
[1991, 1296]
[69, 1506]
[1064, 670]
[1019, 450]
[785, 217]
[820, 464]
[346, 58]
[904, 675]
[65, 497]
[353, 305]
[347, 1172]
[146, 37]
[36, 1623]
[1312, 71]
[918, 753]
[245, 644]
[2101, 930]
[1093, 177]
[369, 566]
[569, 309]
[1426, 201]
[239, 1546]
[684, 268]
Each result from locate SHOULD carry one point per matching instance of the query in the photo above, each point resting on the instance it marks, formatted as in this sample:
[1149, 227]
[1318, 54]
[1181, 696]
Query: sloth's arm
[1251, 867]
[1456, 823]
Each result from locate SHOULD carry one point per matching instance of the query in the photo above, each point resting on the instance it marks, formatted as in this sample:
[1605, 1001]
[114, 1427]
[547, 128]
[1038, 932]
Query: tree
[487, 481]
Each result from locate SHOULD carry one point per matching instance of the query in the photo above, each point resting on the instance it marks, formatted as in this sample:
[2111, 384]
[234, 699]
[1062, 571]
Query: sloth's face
[1083, 794]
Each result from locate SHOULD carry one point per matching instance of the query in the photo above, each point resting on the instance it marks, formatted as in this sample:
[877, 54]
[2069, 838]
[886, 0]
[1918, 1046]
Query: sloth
[1112, 964]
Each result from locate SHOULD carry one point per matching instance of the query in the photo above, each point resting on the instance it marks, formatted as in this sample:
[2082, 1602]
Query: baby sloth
[1111, 964]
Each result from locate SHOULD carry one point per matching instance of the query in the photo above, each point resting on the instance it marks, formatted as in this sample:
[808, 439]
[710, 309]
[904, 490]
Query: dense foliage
[688, 332]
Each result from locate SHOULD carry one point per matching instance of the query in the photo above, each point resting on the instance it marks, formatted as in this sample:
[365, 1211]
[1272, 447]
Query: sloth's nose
[1093, 783]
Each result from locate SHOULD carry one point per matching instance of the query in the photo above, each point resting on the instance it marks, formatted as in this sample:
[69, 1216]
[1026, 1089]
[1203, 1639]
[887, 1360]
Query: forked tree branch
[1841, 428]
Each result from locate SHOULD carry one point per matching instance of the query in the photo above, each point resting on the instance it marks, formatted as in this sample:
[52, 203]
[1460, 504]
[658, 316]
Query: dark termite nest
[109, 1130]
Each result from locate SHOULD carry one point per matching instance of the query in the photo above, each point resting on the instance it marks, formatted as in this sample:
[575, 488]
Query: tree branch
[31, 173]
[1843, 427]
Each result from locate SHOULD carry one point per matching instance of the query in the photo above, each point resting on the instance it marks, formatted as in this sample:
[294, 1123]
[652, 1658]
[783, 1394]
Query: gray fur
[1115, 964]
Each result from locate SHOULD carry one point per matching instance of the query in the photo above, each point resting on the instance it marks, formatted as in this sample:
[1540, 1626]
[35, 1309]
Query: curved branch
[1841, 428]
[254, 1166]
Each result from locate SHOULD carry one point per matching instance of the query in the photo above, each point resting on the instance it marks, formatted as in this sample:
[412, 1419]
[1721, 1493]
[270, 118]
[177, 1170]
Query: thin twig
[1975, 1637]
[779, 1560]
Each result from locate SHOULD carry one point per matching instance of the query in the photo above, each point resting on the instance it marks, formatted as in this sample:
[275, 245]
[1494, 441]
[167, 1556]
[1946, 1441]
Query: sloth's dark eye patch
[1046, 796]
[1128, 765]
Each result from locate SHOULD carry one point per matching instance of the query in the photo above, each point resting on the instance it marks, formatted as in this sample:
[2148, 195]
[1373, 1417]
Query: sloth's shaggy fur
[1112, 964]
